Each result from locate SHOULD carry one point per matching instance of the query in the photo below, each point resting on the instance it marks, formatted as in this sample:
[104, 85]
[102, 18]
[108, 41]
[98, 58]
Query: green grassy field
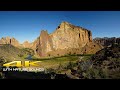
[54, 62]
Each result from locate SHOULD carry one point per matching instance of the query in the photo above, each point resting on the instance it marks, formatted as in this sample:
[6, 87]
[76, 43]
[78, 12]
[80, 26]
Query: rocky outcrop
[14, 42]
[44, 44]
[8, 40]
[70, 36]
[91, 48]
[66, 39]
[34, 44]
[107, 41]
[26, 44]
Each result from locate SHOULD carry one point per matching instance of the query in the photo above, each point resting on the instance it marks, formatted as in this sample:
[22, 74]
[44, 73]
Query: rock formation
[26, 44]
[107, 41]
[91, 48]
[44, 44]
[8, 40]
[66, 39]
[14, 42]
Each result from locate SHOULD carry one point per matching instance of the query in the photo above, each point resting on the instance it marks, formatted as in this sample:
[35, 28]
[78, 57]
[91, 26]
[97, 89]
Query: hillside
[108, 60]
[105, 64]
[107, 41]
[9, 53]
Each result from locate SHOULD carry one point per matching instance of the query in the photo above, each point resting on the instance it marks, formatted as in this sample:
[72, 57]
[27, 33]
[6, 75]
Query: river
[29, 57]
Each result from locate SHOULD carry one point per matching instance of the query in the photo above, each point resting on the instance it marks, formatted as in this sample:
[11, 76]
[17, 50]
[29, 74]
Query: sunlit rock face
[26, 44]
[8, 40]
[70, 36]
[66, 39]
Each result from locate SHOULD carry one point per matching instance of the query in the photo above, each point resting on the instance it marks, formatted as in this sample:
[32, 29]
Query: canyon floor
[55, 62]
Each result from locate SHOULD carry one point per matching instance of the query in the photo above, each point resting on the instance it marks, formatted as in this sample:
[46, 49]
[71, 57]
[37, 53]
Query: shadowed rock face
[107, 41]
[44, 44]
[66, 39]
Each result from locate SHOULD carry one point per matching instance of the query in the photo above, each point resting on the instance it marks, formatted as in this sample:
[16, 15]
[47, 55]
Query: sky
[27, 25]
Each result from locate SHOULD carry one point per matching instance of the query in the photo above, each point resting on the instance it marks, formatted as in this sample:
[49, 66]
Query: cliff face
[8, 40]
[70, 36]
[14, 42]
[107, 41]
[66, 39]
[44, 44]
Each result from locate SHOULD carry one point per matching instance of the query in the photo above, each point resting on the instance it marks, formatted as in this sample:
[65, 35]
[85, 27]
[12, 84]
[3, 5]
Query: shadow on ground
[33, 75]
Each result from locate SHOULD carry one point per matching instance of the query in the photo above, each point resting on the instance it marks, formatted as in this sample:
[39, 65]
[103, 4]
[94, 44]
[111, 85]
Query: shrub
[2, 76]
[20, 55]
[2, 60]
[50, 70]
[70, 65]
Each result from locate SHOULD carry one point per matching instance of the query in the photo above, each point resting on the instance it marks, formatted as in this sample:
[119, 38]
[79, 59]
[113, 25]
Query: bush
[20, 55]
[29, 51]
[2, 60]
[2, 75]
[70, 65]
[50, 70]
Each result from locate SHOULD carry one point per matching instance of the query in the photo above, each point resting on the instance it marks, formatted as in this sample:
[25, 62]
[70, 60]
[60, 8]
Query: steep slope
[10, 53]
[105, 64]
[91, 48]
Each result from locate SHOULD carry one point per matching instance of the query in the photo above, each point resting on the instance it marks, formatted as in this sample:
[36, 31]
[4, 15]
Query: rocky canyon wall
[8, 40]
[107, 41]
[66, 39]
